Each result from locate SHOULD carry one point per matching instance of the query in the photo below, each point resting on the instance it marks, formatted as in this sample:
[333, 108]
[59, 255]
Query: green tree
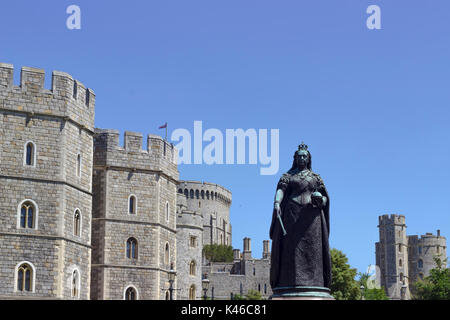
[371, 292]
[436, 286]
[218, 253]
[343, 283]
[253, 295]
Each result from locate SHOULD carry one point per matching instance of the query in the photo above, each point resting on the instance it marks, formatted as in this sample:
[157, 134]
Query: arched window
[79, 165]
[254, 271]
[399, 247]
[167, 254]
[207, 195]
[167, 211]
[28, 215]
[167, 295]
[132, 204]
[186, 193]
[25, 274]
[30, 154]
[180, 191]
[192, 266]
[259, 287]
[75, 284]
[191, 193]
[420, 263]
[192, 292]
[132, 248]
[77, 223]
[131, 293]
[203, 194]
[197, 194]
[401, 277]
[400, 263]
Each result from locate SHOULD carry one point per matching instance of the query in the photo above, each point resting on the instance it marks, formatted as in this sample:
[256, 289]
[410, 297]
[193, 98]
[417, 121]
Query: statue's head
[302, 157]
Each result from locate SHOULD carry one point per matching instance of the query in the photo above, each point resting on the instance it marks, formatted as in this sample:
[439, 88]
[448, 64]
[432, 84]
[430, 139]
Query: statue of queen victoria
[300, 260]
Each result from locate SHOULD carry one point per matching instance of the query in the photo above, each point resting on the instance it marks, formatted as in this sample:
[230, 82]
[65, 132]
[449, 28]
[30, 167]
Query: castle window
[131, 293]
[192, 292]
[400, 263]
[400, 247]
[167, 295]
[265, 288]
[88, 97]
[186, 193]
[180, 191]
[197, 194]
[421, 276]
[437, 249]
[420, 263]
[199, 204]
[132, 204]
[79, 165]
[132, 248]
[193, 241]
[254, 271]
[75, 90]
[203, 194]
[259, 287]
[25, 273]
[29, 154]
[192, 194]
[77, 223]
[75, 284]
[166, 254]
[207, 195]
[192, 266]
[401, 277]
[420, 250]
[167, 211]
[27, 215]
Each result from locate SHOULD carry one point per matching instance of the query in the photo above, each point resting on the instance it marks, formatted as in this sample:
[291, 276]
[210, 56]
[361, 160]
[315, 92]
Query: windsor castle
[82, 217]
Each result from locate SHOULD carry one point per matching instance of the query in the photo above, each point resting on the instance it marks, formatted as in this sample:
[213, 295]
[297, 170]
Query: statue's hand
[276, 207]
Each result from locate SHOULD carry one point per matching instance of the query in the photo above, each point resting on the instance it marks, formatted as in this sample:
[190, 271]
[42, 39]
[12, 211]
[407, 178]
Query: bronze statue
[300, 261]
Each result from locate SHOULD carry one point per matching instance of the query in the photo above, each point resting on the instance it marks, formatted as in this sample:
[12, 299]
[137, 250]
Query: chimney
[266, 252]
[247, 254]
[236, 255]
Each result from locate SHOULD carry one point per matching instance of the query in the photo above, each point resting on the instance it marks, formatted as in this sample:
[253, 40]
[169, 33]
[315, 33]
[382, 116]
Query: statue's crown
[302, 147]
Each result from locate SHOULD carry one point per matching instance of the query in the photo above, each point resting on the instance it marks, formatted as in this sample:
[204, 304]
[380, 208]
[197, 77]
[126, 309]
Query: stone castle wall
[58, 124]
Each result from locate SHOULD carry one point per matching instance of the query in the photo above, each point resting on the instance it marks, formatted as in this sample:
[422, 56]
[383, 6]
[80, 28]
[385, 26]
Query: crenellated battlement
[391, 219]
[203, 189]
[68, 98]
[160, 155]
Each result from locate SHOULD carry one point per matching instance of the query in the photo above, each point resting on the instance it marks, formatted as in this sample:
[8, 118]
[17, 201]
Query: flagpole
[166, 132]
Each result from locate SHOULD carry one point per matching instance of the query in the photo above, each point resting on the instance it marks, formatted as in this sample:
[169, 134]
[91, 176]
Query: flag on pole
[164, 126]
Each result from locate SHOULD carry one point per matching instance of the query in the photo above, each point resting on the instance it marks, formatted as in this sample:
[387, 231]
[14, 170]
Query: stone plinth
[301, 293]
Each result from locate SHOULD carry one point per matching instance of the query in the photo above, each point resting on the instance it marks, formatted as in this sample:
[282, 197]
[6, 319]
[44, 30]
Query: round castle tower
[46, 148]
[422, 252]
[213, 202]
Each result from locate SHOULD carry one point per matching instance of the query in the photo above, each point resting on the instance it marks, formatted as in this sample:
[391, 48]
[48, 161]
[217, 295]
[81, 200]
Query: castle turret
[46, 148]
[134, 217]
[392, 255]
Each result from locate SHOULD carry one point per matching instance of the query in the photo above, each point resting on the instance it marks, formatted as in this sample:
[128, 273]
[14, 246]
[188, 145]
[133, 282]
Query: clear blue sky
[373, 105]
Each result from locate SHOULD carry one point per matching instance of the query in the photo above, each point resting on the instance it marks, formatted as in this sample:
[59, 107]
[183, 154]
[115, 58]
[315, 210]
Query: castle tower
[189, 247]
[46, 149]
[392, 256]
[422, 252]
[213, 202]
[134, 218]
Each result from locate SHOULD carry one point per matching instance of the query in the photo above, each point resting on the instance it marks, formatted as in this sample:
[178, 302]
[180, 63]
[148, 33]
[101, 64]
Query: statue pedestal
[301, 293]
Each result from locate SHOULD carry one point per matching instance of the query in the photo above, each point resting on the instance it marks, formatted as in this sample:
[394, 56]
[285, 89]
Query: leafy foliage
[436, 286]
[218, 253]
[370, 292]
[343, 283]
[251, 295]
